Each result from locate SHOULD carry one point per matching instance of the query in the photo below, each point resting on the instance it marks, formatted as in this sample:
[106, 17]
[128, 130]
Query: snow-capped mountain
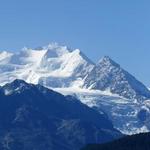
[52, 65]
[108, 75]
[58, 66]
[103, 86]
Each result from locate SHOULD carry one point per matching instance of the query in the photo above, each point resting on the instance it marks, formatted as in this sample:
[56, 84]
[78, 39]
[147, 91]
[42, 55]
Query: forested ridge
[134, 142]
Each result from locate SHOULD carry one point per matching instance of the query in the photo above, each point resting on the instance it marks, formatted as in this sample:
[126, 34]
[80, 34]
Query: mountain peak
[106, 60]
[57, 47]
[15, 86]
[18, 82]
[44, 64]
[108, 75]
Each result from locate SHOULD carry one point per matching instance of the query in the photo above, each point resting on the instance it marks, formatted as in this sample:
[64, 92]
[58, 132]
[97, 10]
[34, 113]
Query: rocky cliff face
[108, 75]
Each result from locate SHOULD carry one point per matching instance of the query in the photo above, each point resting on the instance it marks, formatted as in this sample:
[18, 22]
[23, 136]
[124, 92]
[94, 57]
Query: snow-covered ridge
[107, 74]
[58, 66]
[44, 65]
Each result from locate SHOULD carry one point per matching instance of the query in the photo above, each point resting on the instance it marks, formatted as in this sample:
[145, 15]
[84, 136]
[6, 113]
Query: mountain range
[104, 86]
[34, 117]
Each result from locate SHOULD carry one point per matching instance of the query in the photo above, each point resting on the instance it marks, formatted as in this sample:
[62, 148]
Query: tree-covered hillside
[134, 142]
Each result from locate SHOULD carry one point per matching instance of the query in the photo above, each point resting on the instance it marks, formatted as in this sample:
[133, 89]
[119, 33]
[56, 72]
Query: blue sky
[120, 29]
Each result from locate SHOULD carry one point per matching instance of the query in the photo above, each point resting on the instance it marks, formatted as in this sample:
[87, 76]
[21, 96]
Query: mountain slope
[134, 142]
[34, 117]
[127, 116]
[108, 75]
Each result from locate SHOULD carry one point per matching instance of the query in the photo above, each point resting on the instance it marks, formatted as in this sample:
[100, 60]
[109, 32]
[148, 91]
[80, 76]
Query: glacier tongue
[123, 112]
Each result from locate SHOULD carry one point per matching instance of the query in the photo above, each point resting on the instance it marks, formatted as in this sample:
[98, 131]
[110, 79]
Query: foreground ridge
[134, 142]
[34, 117]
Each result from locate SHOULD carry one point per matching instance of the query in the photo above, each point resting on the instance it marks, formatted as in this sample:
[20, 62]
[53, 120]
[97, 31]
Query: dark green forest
[134, 142]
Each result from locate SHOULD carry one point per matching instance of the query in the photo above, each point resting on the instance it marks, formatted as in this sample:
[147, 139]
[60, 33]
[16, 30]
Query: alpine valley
[104, 86]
